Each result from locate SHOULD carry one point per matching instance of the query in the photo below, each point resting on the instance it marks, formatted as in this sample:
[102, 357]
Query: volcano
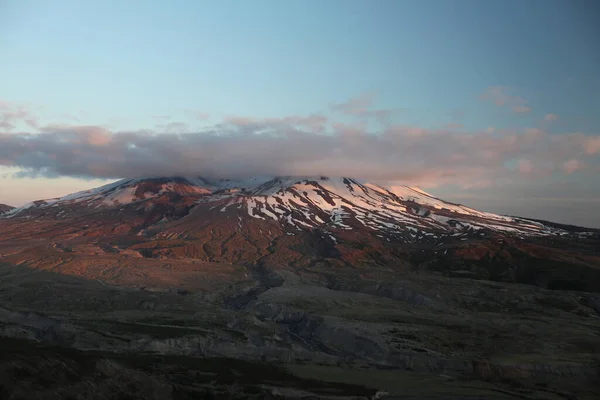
[330, 205]
[299, 221]
[314, 275]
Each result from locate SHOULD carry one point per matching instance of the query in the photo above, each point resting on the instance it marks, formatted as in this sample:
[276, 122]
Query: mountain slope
[295, 222]
[5, 208]
[297, 203]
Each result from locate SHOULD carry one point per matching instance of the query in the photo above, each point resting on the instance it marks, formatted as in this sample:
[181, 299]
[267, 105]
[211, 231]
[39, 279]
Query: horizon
[493, 106]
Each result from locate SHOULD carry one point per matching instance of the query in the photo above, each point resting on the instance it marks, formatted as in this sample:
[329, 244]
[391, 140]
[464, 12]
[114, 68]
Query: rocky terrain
[292, 288]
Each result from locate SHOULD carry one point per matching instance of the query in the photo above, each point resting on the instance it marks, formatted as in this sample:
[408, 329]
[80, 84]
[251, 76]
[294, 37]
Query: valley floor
[254, 332]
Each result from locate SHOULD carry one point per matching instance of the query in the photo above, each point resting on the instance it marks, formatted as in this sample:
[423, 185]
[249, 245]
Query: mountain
[5, 208]
[272, 221]
[342, 286]
[296, 203]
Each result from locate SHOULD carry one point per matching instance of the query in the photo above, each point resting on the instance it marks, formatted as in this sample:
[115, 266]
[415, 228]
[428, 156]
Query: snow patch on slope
[321, 202]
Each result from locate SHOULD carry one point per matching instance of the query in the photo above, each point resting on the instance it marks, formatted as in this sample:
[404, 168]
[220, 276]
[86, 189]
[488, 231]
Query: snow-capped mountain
[331, 204]
[299, 222]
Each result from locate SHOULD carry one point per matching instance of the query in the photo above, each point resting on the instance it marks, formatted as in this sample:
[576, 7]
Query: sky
[495, 105]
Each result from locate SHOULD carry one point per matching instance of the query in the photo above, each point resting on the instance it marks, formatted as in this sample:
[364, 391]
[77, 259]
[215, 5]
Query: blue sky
[136, 59]
[125, 64]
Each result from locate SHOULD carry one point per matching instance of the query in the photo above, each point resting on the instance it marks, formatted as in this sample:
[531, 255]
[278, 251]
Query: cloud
[81, 134]
[521, 109]
[301, 145]
[250, 125]
[502, 96]
[355, 106]
[12, 114]
[525, 167]
[591, 144]
[550, 117]
[362, 107]
[496, 94]
[199, 115]
[571, 166]
[173, 127]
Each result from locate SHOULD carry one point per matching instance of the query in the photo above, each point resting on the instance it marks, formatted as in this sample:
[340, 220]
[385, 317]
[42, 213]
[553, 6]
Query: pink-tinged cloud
[81, 134]
[198, 115]
[356, 105]
[550, 117]
[573, 165]
[12, 114]
[243, 146]
[592, 145]
[525, 167]
[496, 94]
[521, 109]
[310, 144]
[503, 96]
[362, 107]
